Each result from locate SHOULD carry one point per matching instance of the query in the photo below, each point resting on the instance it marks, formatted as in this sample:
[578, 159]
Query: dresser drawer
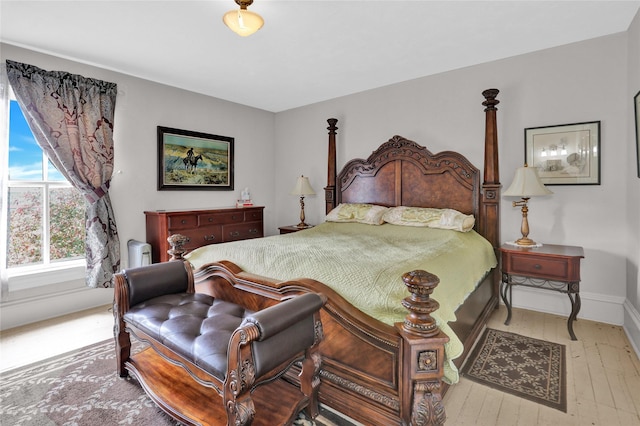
[550, 268]
[202, 236]
[253, 215]
[220, 218]
[183, 221]
[242, 231]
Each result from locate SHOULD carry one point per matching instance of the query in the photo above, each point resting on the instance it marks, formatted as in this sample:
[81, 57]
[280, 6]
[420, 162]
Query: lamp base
[526, 242]
[303, 225]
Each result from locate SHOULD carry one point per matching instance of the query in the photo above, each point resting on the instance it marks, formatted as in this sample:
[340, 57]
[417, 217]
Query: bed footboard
[372, 372]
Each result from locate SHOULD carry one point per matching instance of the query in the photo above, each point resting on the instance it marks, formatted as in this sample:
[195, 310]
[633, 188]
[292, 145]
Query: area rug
[529, 368]
[82, 388]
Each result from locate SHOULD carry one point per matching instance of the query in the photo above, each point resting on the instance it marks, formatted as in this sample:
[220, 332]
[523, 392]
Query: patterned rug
[529, 368]
[82, 388]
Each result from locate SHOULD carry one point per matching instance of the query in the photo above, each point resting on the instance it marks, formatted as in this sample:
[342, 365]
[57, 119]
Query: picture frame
[636, 105]
[189, 160]
[565, 154]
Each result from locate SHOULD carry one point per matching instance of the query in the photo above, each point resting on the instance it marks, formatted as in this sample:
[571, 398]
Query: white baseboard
[27, 311]
[595, 307]
[632, 326]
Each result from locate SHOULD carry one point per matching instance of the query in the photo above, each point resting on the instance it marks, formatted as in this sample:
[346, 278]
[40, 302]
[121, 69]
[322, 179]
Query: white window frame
[47, 277]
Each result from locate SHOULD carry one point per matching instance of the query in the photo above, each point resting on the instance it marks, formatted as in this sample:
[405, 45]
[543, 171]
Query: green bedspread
[365, 263]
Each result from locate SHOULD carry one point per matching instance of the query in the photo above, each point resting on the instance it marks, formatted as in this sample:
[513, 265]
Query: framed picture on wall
[194, 161]
[565, 154]
[636, 103]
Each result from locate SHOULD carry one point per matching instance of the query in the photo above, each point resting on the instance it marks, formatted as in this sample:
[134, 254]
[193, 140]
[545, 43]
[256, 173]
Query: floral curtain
[71, 117]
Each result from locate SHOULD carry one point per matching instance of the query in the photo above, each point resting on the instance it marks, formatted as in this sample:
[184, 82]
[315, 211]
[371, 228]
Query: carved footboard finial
[420, 305]
[177, 242]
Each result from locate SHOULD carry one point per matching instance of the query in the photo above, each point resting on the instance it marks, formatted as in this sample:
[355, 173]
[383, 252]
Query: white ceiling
[307, 51]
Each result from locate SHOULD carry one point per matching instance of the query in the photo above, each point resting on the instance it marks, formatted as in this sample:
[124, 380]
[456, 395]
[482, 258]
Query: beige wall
[580, 82]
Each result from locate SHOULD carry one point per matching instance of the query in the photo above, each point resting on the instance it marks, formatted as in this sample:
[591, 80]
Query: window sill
[27, 278]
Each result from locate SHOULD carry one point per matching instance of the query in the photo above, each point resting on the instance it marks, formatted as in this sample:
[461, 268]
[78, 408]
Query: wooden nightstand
[550, 267]
[293, 228]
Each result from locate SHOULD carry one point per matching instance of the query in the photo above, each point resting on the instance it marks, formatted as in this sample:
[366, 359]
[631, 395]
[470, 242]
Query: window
[44, 213]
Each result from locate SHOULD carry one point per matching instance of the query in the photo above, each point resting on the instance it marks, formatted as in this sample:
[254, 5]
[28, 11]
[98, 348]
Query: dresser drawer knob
[253, 231]
[537, 266]
[209, 237]
[183, 221]
[235, 234]
[210, 219]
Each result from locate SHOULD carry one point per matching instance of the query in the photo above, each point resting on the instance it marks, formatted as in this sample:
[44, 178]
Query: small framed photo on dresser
[565, 154]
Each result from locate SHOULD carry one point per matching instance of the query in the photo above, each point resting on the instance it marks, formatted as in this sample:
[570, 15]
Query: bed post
[490, 212]
[330, 189]
[422, 359]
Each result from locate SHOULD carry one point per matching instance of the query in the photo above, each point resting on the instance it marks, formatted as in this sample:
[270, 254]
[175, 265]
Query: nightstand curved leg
[506, 298]
[575, 308]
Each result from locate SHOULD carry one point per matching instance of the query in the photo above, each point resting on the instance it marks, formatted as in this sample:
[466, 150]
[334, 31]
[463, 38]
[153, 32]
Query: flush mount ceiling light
[241, 21]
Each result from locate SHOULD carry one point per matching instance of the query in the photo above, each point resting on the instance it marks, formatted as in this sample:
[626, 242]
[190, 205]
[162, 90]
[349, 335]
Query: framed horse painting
[194, 161]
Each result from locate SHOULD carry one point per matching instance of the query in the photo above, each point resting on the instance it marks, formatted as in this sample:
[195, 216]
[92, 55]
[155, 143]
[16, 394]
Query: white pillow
[433, 218]
[369, 214]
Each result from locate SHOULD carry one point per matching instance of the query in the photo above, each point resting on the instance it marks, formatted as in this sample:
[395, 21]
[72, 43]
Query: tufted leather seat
[196, 326]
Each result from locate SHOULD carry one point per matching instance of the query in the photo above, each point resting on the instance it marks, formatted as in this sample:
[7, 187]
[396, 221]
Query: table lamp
[301, 189]
[526, 184]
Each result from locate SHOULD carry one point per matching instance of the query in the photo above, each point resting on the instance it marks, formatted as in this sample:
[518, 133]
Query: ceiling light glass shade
[243, 22]
[303, 187]
[526, 184]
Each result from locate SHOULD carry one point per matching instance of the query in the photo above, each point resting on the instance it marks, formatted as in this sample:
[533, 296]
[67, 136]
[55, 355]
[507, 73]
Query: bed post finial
[330, 189]
[490, 96]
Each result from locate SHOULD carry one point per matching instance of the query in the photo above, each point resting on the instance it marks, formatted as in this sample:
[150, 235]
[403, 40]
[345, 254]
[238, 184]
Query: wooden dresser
[202, 227]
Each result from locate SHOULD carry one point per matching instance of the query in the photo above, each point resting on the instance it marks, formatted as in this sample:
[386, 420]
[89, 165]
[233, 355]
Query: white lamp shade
[526, 184]
[243, 22]
[303, 187]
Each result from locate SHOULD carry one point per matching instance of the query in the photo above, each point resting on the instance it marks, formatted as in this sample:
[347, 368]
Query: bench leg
[123, 343]
[310, 380]
[237, 396]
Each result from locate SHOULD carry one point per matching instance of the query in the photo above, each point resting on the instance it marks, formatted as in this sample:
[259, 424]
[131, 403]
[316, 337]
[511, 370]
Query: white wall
[141, 106]
[632, 305]
[580, 82]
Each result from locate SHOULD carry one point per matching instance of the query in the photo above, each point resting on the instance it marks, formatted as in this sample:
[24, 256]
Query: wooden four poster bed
[376, 372]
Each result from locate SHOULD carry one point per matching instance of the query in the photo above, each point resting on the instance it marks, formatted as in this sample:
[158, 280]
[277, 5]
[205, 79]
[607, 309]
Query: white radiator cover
[139, 253]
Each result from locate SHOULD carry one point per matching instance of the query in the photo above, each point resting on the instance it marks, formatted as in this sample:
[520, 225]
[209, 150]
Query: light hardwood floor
[603, 378]
[30, 343]
[603, 371]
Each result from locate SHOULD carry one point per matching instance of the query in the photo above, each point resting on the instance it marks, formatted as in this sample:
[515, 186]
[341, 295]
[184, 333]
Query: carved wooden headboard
[402, 173]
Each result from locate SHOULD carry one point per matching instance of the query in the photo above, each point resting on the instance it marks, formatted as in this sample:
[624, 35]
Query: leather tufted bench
[208, 344]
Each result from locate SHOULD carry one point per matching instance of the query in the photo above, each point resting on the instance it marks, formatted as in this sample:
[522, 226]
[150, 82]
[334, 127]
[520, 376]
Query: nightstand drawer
[548, 268]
